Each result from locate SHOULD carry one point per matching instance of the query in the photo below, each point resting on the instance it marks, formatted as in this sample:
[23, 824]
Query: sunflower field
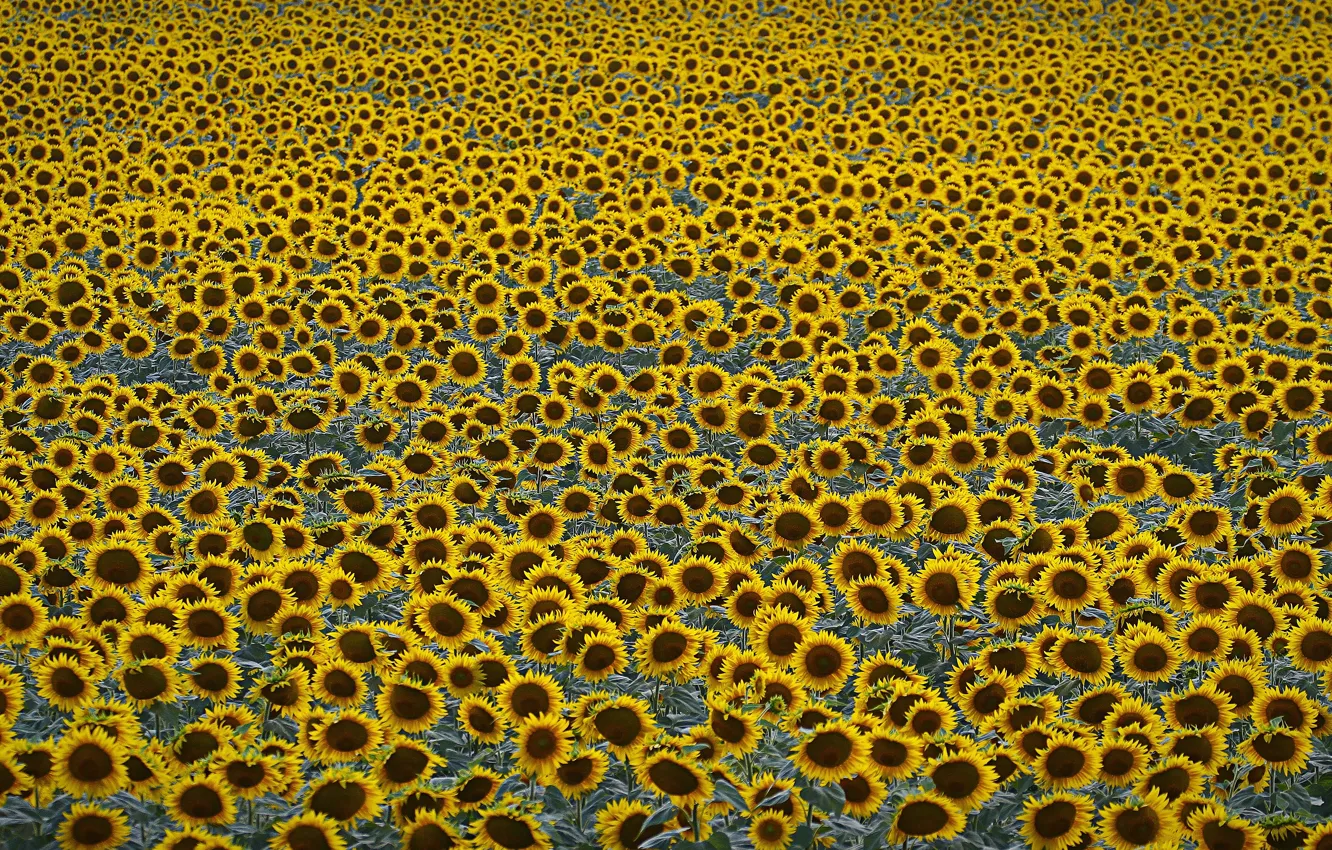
[678, 424]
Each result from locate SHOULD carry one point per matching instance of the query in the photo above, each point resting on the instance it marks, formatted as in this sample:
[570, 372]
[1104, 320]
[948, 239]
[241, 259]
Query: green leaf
[663, 813]
[772, 801]
[827, 798]
[663, 839]
[719, 841]
[729, 794]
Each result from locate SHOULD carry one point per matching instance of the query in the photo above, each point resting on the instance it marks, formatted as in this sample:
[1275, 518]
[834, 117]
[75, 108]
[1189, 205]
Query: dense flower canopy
[518, 425]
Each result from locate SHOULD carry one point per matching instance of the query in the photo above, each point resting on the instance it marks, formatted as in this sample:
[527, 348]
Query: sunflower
[947, 583]
[933, 715]
[779, 690]
[778, 633]
[1309, 645]
[89, 762]
[667, 650]
[953, 519]
[214, 677]
[1201, 524]
[1138, 823]
[621, 825]
[543, 743]
[874, 601]
[1239, 681]
[696, 580]
[1213, 829]
[36, 761]
[407, 706]
[22, 618]
[926, 816]
[1012, 604]
[964, 777]
[736, 731]
[878, 512]
[206, 625]
[480, 719]
[1205, 638]
[1290, 706]
[201, 801]
[824, 662]
[92, 827]
[1086, 656]
[307, 831]
[1066, 762]
[833, 751]
[429, 831]
[117, 564]
[1015, 661]
[792, 596]
[1056, 821]
[1017, 713]
[1199, 706]
[339, 683]
[623, 722]
[1289, 834]
[601, 656]
[677, 777]
[1146, 654]
[262, 602]
[248, 773]
[1068, 586]
[14, 776]
[580, 774]
[530, 694]
[465, 365]
[1285, 511]
[1280, 749]
[793, 525]
[449, 621]
[346, 736]
[1136, 719]
[767, 793]
[149, 681]
[1122, 761]
[855, 560]
[1205, 747]
[344, 795]
[865, 793]
[1172, 777]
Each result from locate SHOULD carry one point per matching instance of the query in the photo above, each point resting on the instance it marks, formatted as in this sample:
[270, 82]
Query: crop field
[676, 425]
